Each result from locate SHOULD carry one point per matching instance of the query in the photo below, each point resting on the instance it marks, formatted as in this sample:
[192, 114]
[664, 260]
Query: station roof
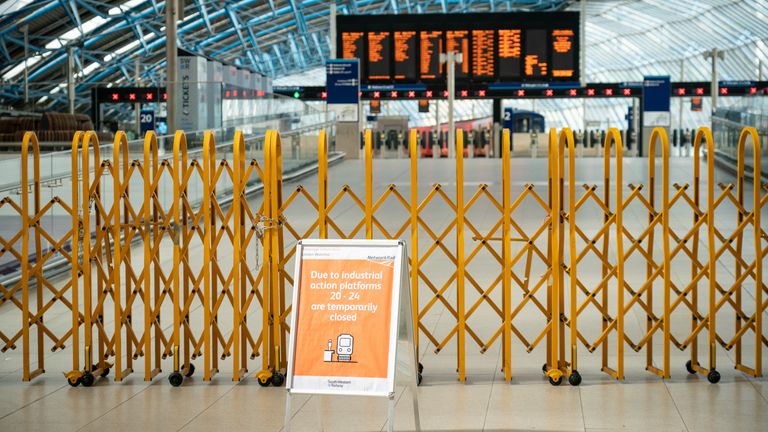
[280, 38]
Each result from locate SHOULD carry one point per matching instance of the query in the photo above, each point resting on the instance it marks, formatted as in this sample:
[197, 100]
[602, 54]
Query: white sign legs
[352, 329]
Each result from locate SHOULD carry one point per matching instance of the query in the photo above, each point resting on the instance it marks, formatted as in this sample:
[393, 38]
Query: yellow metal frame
[103, 235]
[26, 225]
[749, 135]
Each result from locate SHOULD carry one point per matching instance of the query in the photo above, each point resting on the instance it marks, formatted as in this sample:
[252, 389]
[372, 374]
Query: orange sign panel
[344, 330]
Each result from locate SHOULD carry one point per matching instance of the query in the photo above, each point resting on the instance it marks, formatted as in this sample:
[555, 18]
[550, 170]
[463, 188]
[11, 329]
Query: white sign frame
[400, 293]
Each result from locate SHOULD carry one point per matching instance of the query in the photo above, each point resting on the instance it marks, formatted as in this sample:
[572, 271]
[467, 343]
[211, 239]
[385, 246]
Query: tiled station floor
[642, 402]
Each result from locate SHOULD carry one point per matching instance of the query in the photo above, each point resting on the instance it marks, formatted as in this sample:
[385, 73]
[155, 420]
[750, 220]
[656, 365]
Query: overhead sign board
[506, 47]
[342, 80]
[657, 92]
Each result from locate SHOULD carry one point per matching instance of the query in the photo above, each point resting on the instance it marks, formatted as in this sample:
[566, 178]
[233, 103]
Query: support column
[450, 63]
[496, 113]
[713, 55]
[137, 105]
[171, 15]
[71, 79]
[26, 66]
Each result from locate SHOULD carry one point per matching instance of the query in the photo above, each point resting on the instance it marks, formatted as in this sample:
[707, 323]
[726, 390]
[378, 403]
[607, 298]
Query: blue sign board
[657, 92]
[507, 122]
[342, 81]
[146, 121]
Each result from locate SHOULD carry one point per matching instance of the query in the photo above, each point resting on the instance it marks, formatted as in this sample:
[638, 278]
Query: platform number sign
[146, 121]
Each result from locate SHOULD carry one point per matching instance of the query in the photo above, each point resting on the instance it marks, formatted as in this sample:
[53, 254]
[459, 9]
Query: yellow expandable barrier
[126, 216]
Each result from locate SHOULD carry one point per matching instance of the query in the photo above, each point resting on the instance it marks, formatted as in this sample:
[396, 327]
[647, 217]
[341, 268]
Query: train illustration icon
[344, 347]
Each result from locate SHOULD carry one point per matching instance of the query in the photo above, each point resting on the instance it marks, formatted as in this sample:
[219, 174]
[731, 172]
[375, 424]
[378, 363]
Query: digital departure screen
[405, 55]
[562, 53]
[352, 45]
[496, 47]
[431, 47]
[458, 42]
[483, 54]
[536, 53]
[379, 56]
[510, 53]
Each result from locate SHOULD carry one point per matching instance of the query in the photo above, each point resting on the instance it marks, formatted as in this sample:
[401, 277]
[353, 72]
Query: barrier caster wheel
[575, 378]
[175, 379]
[419, 380]
[713, 376]
[689, 367]
[264, 381]
[544, 368]
[190, 371]
[88, 379]
[74, 383]
[104, 372]
[277, 379]
[555, 382]
[421, 367]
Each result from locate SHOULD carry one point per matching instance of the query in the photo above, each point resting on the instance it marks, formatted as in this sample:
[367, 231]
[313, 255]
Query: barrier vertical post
[461, 336]
[751, 132]
[606, 244]
[265, 374]
[120, 146]
[619, 249]
[554, 163]
[237, 184]
[506, 256]
[739, 247]
[26, 225]
[695, 238]
[613, 136]
[566, 138]
[322, 183]
[706, 135]
[76, 239]
[87, 195]
[413, 144]
[150, 168]
[368, 185]
[277, 250]
[562, 140]
[551, 181]
[182, 236]
[660, 135]
[209, 142]
[214, 255]
[179, 145]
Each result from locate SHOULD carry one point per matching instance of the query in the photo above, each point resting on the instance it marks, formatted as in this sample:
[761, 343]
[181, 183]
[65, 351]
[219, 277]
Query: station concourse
[578, 201]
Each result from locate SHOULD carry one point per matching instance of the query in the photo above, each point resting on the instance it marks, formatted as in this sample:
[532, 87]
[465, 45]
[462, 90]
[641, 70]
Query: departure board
[458, 42]
[379, 56]
[508, 47]
[536, 53]
[405, 55]
[510, 53]
[483, 53]
[563, 53]
[431, 47]
[352, 45]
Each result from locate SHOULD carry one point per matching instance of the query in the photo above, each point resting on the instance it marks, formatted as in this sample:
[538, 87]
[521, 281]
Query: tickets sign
[345, 319]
